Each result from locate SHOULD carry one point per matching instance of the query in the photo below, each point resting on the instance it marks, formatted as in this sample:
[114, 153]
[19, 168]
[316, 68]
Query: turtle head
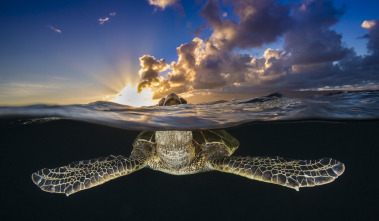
[171, 99]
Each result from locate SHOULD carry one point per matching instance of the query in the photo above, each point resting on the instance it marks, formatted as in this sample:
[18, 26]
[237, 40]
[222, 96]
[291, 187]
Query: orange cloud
[55, 29]
[369, 24]
[106, 19]
[150, 68]
[162, 3]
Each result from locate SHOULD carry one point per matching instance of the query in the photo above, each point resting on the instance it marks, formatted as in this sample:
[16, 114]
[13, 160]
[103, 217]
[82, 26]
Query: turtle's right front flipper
[85, 174]
[289, 173]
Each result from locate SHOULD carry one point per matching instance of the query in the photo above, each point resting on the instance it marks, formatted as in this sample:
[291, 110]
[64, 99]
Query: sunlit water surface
[361, 105]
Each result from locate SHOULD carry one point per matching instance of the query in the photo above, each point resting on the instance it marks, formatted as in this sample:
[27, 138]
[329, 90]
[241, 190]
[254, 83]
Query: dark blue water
[343, 126]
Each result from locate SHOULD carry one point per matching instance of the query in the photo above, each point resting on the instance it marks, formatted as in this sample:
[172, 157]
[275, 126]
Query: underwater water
[343, 126]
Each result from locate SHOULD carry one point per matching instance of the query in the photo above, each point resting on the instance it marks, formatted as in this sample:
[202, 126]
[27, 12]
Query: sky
[73, 51]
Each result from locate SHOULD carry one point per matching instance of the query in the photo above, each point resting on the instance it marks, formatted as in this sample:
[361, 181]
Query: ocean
[342, 125]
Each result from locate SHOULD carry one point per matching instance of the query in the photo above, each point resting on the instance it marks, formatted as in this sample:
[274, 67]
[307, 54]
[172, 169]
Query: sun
[129, 96]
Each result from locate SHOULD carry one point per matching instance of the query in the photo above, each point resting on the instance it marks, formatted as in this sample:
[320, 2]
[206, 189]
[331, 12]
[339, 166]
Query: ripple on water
[361, 105]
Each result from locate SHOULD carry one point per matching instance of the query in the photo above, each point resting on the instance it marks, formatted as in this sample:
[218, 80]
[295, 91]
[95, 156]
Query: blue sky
[58, 52]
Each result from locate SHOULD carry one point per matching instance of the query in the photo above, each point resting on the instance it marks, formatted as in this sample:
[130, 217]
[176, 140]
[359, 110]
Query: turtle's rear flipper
[85, 174]
[290, 173]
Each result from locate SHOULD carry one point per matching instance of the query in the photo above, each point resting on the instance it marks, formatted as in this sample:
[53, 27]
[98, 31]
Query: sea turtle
[187, 152]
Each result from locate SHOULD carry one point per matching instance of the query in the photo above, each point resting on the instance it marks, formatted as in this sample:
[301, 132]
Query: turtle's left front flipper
[85, 174]
[290, 173]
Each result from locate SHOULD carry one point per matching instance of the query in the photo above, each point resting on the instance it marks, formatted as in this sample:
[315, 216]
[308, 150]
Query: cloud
[373, 43]
[260, 21]
[150, 68]
[55, 29]
[106, 19]
[103, 20]
[162, 4]
[311, 40]
[369, 24]
[313, 55]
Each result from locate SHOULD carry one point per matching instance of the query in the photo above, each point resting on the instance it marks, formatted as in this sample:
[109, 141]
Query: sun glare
[129, 96]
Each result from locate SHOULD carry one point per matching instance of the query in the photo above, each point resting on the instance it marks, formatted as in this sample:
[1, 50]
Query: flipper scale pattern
[85, 174]
[289, 173]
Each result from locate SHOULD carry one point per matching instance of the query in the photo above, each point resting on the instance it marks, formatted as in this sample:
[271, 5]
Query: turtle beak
[171, 99]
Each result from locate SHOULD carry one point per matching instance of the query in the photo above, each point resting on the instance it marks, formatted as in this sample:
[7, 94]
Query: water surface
[360, 105]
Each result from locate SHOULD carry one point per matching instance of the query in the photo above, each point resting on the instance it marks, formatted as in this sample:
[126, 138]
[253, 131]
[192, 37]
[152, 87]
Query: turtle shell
[211, 137]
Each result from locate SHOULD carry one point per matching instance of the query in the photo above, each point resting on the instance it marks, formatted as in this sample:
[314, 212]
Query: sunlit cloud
[372, 59]
[103, 20]
[162, 4]
[55, 29]
[150, 68]
[313, 54]
[369, 24]
[106, 19]
[347, 87]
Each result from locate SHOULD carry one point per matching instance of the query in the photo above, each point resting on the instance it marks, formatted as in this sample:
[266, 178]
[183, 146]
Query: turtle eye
[183, 101]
